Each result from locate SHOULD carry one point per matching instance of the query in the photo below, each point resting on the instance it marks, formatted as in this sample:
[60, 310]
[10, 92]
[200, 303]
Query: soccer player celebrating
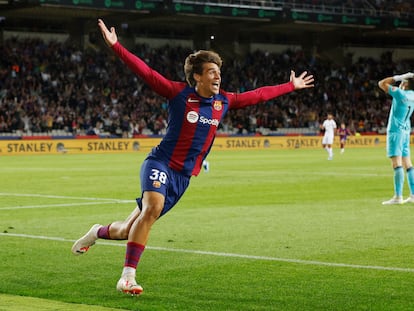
[195, 111]
[398, 132]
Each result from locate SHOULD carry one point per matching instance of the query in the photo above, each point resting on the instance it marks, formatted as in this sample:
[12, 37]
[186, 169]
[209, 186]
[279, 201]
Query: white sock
[330, 152]
[129, 271]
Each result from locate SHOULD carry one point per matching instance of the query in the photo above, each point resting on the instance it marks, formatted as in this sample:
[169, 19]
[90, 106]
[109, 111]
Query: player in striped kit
[195, 110]
[343, 132]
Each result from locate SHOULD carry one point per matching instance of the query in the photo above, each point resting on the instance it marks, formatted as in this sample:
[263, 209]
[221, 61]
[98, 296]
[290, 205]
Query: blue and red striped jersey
[192, 125]
[192, 120]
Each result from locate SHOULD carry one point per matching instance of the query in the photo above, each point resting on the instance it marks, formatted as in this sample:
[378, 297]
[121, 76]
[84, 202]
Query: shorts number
[158, 175]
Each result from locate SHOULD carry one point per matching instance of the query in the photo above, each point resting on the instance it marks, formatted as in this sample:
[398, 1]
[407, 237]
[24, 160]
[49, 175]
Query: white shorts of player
[327, 140]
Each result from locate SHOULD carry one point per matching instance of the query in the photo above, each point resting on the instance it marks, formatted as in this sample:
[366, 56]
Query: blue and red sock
[103, 232]
[133, 254]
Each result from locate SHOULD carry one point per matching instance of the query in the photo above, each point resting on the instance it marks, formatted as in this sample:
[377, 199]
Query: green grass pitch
[263, 230]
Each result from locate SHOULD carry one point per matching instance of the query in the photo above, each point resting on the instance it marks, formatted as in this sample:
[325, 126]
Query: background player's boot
[206, 166]
[410, 199]
[393, 200]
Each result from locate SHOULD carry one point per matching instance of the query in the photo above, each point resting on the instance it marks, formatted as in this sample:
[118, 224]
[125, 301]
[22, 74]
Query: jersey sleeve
[157, 82]
[396, 92]
[261, 94]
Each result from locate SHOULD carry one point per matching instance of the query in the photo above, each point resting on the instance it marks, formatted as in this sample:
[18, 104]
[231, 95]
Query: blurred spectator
[45, 87]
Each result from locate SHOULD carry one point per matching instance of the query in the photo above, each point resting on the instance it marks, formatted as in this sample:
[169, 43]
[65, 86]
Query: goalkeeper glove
[403, 77]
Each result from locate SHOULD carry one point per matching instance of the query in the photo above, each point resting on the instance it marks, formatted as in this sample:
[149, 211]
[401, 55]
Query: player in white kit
[329, 125]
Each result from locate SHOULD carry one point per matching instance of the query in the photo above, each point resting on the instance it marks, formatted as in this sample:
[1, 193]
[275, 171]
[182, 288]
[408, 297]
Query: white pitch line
[96, 200]
[61, 197]
[59, 205]
[233, 255]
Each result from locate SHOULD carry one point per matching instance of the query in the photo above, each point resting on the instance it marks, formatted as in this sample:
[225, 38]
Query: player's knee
[151, 212]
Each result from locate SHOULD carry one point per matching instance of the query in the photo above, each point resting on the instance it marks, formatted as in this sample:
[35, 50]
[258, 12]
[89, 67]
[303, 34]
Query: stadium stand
[353, 7]
[53, 88]
[49, 88]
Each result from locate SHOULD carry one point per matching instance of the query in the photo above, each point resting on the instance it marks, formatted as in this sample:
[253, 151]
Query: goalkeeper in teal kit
[398, 133]
[195, 110]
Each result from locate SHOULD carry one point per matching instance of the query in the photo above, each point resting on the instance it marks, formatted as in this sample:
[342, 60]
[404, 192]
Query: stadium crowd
[51, 87]
[381, 7]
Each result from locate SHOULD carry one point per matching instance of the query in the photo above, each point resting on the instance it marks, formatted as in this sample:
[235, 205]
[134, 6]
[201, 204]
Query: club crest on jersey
[192, 116]
[156, 184]
[218, 105]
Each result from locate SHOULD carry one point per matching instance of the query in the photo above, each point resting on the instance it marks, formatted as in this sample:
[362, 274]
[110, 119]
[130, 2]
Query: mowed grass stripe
[263, 230]
[20, 303]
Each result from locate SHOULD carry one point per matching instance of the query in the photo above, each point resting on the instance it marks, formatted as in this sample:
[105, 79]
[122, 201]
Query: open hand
[109, 36]
[303, 81]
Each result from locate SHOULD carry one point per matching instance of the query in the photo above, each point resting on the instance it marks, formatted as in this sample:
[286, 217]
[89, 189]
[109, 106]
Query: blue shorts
[157, 176]
[398, 144]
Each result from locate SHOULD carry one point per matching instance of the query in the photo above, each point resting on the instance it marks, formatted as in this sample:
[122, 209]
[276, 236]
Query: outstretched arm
[266, 93]
[155, 80]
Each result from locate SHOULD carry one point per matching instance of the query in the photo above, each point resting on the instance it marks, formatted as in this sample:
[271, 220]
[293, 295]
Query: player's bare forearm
[385, 83]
